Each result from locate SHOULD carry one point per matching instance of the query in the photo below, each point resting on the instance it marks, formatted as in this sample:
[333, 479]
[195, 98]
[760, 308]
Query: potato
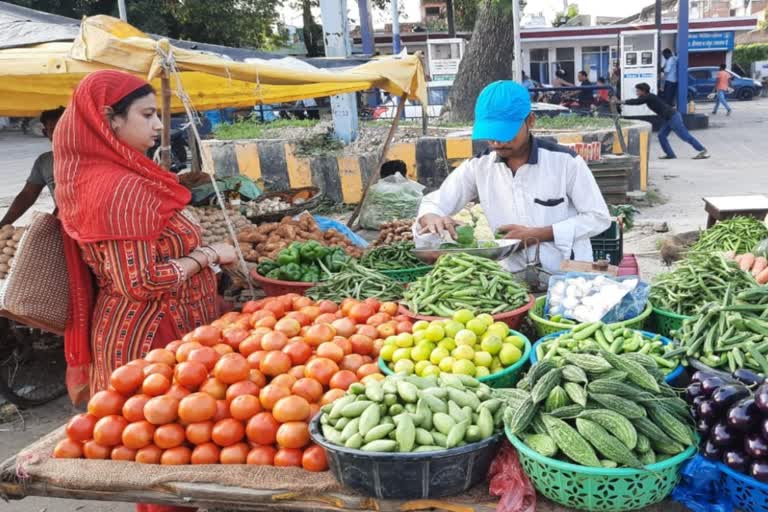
[4, 268]
[9, 250]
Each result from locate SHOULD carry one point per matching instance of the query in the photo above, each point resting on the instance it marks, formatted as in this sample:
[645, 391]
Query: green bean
[357, 282]
[397, 256]
[738, 234]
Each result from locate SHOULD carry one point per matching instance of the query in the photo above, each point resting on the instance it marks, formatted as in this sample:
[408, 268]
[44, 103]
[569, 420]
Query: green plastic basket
[664, 322]
[544, 326]
[506, 378]
[600, 489]
[407, 275]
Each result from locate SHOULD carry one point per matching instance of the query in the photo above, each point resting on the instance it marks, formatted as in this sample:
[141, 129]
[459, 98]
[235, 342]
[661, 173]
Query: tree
[312, 31]
[226, 22]
[561, 18]
[488, 58]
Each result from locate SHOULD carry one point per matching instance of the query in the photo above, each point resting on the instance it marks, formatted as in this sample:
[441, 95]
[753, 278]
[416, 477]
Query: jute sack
[36, 291]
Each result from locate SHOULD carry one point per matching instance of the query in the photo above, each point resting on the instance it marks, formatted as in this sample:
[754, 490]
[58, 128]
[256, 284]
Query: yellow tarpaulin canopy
[41, 77]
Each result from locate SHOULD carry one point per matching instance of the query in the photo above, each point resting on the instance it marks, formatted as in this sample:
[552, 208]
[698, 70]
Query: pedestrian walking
[670, 77]
[722, 87]
[673, 122]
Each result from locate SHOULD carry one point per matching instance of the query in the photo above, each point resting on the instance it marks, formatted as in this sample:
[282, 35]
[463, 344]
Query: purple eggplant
[708, 386]
[700, 376]
[759, 470]
[737, 461]
[764, 429]
[761, 398]
[706, 410]
[755, 446]
[747, 377]
[727, 395]
[692, 391]
[697, 401]
[744, 415]
[711, 451]
[703, 427]
[721, 435]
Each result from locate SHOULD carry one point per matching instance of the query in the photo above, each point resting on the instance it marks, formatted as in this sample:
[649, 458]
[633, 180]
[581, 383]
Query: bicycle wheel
[32, 368]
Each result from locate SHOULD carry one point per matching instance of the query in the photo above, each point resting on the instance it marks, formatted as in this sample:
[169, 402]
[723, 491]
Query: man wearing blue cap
[528, 187]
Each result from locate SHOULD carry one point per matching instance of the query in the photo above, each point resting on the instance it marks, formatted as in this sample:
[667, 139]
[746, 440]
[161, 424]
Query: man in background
[586, 97]
[722, 86]
[41, 175]
[670, 77]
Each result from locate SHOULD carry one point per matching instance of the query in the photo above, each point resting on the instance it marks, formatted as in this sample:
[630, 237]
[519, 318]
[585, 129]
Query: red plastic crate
[629, 266]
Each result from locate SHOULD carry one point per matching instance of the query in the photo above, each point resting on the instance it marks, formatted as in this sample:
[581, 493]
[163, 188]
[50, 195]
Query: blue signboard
[710, 41]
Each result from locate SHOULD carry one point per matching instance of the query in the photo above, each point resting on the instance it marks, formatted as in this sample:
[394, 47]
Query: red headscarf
[105, 190]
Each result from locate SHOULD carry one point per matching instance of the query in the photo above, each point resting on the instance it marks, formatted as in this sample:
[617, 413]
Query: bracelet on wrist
[197, 262]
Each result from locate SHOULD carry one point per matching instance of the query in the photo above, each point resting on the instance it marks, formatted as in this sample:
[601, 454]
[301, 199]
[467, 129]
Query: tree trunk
[488, 58]
[310, 30]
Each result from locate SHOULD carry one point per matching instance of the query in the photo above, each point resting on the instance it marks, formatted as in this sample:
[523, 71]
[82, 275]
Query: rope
[169, 66]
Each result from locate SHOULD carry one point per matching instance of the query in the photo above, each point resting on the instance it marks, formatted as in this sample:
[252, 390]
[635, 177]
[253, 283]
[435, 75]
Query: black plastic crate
[609, 245]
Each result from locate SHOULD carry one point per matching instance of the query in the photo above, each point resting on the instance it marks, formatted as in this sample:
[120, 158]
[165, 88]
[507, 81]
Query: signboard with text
[710, 41]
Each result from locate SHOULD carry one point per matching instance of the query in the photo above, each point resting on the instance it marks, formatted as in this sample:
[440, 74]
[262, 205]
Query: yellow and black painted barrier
[275, 166]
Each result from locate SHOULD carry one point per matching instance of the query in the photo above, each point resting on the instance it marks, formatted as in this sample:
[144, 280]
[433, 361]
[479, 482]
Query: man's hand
[437, 225]
[518, 232]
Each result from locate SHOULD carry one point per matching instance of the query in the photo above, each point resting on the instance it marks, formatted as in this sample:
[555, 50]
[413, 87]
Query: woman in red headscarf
[124, 225]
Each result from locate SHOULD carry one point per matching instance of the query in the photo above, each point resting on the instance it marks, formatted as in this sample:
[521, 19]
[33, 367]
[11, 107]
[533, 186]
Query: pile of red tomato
[239, 391]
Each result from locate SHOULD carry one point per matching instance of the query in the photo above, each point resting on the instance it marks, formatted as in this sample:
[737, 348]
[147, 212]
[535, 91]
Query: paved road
[736, 167]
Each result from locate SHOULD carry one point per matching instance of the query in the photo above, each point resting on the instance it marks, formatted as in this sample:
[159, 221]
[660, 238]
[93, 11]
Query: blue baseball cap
[500, 110]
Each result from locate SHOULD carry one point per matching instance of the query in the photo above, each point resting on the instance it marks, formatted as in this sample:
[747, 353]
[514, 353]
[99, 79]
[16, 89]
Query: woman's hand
[225, 252]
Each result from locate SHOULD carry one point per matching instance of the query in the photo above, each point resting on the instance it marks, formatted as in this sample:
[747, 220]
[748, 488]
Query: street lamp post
[121, 10]
[518, 62]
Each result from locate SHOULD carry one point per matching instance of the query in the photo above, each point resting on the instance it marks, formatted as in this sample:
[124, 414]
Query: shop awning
[43, 76]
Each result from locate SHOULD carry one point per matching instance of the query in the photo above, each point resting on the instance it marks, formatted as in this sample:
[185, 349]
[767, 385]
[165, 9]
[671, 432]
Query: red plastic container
[512, 318]
[275, 287]
[629, 266]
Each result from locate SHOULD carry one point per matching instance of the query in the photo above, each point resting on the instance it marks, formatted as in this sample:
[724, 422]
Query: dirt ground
[736, 167]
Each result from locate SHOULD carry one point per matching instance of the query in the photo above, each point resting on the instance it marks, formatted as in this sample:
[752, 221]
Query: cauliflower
[474, 215]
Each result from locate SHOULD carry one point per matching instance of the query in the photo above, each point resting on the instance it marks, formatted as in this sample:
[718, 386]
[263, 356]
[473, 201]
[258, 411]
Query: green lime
[465, 337]
[404, 366]
[419, 368]
[405, 340]
[482, 371]
[419, 336]
[483, 359]
[463, 367]
[496, 365]
[486, 319]
[452, 327]
[491, 344]
[431, 370]
[435, 332]
[463, 316]
[499, 329]
[446, 364]
[439, 354]
[387, 351]
[463, 352]
[516, 341]
[477, 326]
[420, 353]
[391, 340]
[420, 325]
[447, 343]
[400, 354]
[509, 354]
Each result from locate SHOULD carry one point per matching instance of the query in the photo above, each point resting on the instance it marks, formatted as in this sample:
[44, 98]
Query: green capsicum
[310, 274]
[266, 267]
[288, 255]
[290, 272]
[273, 274]
[465, 236]
[336, 260]
[312, 251]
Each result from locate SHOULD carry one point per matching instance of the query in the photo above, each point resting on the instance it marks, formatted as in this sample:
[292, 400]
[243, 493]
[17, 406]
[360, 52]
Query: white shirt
[670, 69]
[555, 188]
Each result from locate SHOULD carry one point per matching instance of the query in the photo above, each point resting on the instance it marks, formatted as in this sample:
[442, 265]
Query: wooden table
[726, 207]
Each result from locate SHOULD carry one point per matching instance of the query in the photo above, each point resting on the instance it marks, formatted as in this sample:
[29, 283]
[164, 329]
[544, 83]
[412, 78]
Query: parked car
[701, 83]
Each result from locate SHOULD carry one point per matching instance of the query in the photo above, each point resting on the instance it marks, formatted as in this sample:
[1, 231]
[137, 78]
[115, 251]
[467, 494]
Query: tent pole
[377, 171]
[165, 144]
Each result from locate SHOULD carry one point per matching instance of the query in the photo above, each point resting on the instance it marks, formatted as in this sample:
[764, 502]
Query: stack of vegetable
[239, 391]
[466, 239]
[308, 262]
[732, 419]
[739, 234]
[591, 337]
[465, 344]
[473, 215]
[9, 241]
[699, 280]
[357, 282]
[397, 256]
[267, 240]
[732, 332]
[213, 223]
[462, 281]
[412, 414]
[266, 205]
[395, 231]
[600, 410]
[755, 265]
